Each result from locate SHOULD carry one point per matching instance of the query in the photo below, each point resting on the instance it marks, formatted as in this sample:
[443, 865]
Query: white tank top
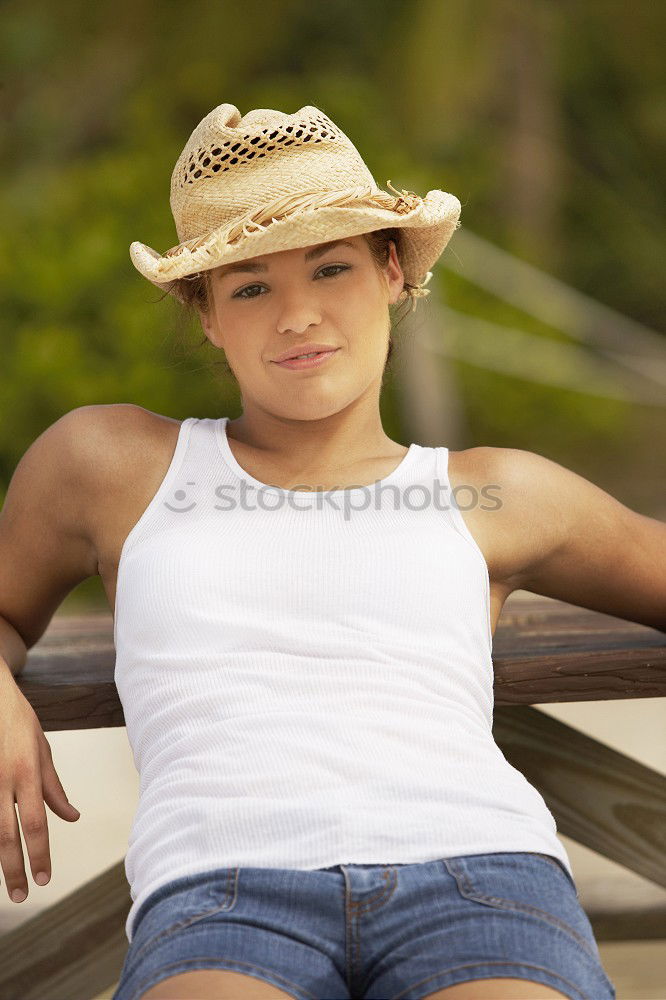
[307, 678]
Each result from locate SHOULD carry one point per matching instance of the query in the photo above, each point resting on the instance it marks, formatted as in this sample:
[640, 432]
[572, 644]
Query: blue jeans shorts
[372, 932]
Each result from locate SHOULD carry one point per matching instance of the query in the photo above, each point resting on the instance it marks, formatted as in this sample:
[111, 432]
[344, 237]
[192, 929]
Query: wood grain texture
[543, 651]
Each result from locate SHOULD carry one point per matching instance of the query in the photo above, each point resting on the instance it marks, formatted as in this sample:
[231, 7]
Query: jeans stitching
[168, 931]
[474, 965]
[381, 897]
[498, 902]
[560, 867]
[354, 912]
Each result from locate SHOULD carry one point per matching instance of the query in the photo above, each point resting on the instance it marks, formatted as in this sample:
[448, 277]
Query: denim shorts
[380, 932]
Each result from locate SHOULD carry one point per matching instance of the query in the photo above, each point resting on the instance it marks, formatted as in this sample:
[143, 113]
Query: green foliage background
[546, 119]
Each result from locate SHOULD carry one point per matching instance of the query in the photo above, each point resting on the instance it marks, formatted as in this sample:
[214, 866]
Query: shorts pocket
[523, 882]
[193, 898]
[558, 864]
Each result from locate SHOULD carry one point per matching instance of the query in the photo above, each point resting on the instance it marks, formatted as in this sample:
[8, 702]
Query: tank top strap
[463, 496]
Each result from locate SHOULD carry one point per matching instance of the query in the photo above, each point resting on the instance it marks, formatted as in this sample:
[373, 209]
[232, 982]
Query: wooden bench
[544, 651]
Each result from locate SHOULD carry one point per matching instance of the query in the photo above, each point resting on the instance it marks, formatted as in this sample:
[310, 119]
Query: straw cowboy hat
[269, 181]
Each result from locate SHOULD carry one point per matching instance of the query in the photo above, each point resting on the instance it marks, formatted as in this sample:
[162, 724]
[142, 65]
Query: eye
[338, 268]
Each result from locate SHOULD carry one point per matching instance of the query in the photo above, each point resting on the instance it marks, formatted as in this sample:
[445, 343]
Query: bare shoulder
[487, 459]
[117, 423]
[558, 534]
[489, 486]
[515, 472]
[114, 441]
[535, 488]
[56, 511]
[101, 457]
[515, 505]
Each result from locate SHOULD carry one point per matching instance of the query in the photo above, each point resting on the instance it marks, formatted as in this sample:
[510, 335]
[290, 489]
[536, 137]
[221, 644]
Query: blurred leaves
[547, 120]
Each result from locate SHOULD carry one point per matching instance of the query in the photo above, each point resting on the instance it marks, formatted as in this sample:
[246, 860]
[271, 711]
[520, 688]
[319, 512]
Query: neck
[322, 444]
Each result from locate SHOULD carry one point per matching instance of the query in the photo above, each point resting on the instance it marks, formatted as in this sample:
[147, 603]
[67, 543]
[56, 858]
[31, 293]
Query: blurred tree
[547, 120]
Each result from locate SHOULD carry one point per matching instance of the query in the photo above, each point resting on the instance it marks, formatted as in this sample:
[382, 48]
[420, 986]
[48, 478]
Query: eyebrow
[318, 251]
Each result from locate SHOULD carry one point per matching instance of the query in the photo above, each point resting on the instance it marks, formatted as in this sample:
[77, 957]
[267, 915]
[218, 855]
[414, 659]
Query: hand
[27, 778]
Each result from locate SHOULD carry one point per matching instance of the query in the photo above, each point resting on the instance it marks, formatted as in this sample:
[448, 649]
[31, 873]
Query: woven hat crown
[231, 165]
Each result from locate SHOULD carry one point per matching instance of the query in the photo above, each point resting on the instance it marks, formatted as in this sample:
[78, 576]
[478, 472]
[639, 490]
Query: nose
[298, 310]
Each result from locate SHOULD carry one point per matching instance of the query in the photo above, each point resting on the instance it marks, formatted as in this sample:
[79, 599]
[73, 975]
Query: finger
[33, 822]
[11, 852]
[52, 790]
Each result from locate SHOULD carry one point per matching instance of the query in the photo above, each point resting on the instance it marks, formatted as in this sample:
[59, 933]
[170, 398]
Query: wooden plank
[543, 651]
[604, 800]
[73, 949]
[629, 925]
[549, 651]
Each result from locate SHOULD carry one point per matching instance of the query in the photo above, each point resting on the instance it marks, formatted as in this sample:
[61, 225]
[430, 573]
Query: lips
[304, 349]
[318, 359]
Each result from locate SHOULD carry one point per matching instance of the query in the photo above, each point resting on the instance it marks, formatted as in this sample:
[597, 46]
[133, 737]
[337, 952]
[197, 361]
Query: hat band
[260, 219]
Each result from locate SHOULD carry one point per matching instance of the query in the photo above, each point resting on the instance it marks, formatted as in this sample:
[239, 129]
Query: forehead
[255, 265]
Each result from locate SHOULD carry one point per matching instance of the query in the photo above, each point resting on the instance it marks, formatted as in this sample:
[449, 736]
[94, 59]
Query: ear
[204, 319]
[207, 318]
[394, 275]
[208, 326]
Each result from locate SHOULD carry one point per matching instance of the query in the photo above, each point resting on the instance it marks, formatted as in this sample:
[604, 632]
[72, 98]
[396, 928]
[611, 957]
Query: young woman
[304, 616]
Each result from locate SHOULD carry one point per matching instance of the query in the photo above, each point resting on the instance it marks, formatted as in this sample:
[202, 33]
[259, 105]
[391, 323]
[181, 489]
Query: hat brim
[428, 227]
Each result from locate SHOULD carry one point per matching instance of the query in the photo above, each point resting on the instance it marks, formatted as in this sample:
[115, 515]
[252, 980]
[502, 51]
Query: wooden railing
[544, 651]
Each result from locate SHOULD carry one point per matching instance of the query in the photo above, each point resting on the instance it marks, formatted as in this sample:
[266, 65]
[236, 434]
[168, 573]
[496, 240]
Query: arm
[45, 550]
[46, 545]
[567, 539]
[13, 652]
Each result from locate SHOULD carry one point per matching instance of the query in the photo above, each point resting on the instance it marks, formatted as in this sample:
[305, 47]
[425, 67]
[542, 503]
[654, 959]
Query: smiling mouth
[313, 360]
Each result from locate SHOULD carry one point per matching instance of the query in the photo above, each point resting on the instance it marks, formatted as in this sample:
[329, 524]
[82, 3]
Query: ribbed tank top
[306, 677]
